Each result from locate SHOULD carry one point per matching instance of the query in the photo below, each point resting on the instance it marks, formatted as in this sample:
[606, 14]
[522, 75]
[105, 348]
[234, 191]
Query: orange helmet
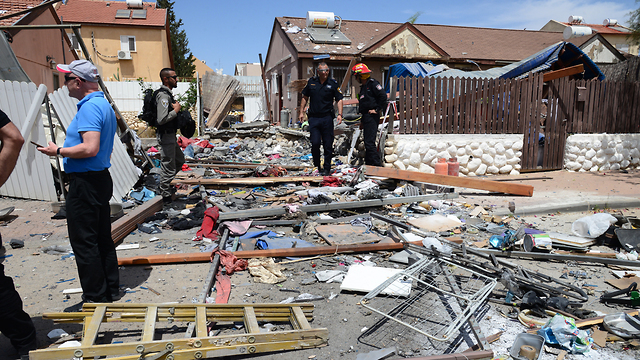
[360, 69]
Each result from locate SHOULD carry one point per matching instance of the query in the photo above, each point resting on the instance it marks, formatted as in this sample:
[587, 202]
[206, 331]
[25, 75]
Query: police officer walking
[320, 93]
[373, 101]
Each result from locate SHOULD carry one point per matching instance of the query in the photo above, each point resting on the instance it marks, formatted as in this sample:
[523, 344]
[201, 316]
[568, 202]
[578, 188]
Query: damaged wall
[477, 154]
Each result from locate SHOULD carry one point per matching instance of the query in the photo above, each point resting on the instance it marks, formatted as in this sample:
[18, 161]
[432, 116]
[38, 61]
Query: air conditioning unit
[124, 55]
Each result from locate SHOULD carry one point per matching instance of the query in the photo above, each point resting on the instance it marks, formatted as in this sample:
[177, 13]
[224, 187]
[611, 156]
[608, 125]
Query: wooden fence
[528, 106]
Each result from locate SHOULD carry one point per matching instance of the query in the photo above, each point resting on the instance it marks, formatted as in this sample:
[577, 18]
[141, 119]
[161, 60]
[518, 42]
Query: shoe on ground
[75, 308]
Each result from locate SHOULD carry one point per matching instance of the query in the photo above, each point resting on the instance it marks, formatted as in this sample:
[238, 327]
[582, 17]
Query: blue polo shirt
[94, 114]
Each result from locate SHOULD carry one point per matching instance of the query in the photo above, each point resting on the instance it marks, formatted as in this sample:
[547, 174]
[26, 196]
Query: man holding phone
[86, 155]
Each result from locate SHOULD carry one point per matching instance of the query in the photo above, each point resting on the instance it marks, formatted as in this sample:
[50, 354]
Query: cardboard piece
[345, 234]
[624, 282]
[599, 337]
[366, 278]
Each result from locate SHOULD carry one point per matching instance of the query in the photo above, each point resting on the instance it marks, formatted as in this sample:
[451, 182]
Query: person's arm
[339, 111]
[12, 142]
[88, 148]
[303, 104]
[166, 113]
[381, 97]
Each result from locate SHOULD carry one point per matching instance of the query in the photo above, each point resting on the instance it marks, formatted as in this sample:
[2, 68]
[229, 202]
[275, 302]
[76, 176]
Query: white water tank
[576, 31]
[321, 19]
[134, 4]
[610, 22]
[575, 19]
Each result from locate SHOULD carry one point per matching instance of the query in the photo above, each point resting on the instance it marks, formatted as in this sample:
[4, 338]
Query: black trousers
[14, 322]
[321, 130]
[370, 130]
[89, 226]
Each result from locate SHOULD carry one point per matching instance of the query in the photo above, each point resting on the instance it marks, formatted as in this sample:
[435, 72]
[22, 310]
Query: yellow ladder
[301, 335]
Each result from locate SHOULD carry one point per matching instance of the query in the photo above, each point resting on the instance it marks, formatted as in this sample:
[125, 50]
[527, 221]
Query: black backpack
[150, 107]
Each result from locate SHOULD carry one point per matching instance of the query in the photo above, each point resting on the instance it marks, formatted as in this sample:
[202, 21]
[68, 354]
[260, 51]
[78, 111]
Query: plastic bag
[563, 331]
[593, 226]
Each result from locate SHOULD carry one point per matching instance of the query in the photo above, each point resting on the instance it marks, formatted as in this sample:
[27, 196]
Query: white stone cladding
[478, 154]
[602, 152]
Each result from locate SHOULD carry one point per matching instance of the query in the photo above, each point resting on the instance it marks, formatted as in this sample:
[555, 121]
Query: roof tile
[104, 12]
[11, 6]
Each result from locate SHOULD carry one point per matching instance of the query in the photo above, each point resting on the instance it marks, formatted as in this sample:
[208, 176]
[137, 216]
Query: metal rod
[7, 16]
[266, 91]
[40, 27]
[53, 139]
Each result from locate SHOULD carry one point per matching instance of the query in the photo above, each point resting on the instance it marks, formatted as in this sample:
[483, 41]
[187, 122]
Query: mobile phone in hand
[36, 144]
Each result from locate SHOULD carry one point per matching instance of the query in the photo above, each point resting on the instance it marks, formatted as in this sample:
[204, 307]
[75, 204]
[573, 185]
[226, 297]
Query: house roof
[12, 6]
[458, 42]
[475, 43]
[104, 12]
[361, 33]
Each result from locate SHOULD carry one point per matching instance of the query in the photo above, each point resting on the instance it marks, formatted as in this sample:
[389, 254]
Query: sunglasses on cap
[68, 78]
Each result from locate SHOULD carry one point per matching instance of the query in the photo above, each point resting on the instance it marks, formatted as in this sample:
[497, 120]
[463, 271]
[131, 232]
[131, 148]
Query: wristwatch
[58, 152]
[339, 114]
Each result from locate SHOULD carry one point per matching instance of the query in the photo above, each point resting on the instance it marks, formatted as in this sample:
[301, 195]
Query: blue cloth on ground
[143, 195]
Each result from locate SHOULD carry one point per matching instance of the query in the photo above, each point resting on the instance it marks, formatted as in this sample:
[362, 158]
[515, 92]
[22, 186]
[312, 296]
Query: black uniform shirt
[321, 96]
[372, 96]
[4, 119]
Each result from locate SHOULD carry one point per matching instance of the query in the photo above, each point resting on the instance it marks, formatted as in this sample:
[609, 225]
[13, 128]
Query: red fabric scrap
[152, 149]
[230, 262]
[223, 288]
[185, 167]
[207, 230]
[204, 144]
[331, 181]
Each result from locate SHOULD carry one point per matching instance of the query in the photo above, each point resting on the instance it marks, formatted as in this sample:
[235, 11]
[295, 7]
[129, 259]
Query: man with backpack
[167, 124]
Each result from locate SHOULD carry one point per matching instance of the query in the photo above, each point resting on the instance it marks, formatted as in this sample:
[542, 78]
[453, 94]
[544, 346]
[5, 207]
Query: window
[74, 41]
[288, 89]
[338, 73]
[127, 43]
[385, 73]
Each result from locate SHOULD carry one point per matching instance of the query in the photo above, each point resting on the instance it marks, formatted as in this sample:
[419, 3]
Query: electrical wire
[93, 43]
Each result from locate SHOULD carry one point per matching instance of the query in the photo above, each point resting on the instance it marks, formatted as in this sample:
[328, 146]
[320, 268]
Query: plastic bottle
[454, 166]
[442, 168]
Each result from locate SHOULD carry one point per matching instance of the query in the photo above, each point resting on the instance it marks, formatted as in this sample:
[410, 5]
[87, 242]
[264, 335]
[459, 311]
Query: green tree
[634, 21]
[182, 57]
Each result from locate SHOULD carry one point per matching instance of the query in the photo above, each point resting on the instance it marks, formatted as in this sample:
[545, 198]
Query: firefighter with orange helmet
[372, 101]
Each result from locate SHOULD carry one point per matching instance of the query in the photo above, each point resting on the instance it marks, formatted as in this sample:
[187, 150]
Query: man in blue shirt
[320, 92]
[86, 153]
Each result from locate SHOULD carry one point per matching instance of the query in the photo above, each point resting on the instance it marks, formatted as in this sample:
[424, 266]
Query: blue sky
[224, 33]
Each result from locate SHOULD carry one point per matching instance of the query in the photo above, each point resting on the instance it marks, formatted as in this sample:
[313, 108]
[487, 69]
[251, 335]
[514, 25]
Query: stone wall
[602, 152]
[477, 154]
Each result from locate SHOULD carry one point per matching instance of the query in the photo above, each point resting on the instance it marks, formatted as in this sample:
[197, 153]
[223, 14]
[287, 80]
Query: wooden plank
[571, 106]
[438, 105]
[149, 328]
[514, 100]
[501, 106]
[458, 112]
[446, 109]
[557, 74]
[535, 113]
[432, 105]
[249, 180]
[420, 109]
[91, 331]
[250, 321]
[551, 123]
[466, 182]
[414, 105]
[595, 115]
[129, 222]
[248, 254]
[298, 319]
[401, 104]
[473, 129]
[201, 322]
[589, 128]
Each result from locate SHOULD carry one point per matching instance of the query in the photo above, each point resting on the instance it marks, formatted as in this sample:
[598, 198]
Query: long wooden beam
[247, 254]
[557, 74]
[246, 166]
[123, 226]
[249, 181]
[466, 182]
[277, 211]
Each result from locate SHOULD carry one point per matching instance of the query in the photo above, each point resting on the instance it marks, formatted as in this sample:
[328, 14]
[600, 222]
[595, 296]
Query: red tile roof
[104, 12]
[458, 42]
[11, 6]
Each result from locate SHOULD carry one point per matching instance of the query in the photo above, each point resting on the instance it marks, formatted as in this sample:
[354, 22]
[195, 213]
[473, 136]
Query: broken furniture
[250, 341]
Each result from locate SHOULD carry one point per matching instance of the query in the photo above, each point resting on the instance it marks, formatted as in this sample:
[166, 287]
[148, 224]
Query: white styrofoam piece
[364, 279]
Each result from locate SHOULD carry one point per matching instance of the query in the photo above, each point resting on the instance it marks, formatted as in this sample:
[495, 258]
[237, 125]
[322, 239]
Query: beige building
[37, 50]
[615, 33]
[201, 67]
[126, 40]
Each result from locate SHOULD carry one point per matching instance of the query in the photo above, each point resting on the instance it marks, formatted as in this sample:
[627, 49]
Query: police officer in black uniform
[320, 93]
[373, 100]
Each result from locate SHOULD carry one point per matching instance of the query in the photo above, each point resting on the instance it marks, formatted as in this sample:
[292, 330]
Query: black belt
[320, 115]
[88, 174]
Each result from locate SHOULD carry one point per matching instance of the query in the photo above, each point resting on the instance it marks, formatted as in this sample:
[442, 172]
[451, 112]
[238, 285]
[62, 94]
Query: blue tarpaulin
[567, 53]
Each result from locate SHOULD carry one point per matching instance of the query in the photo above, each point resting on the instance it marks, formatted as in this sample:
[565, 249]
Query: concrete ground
[559, 198]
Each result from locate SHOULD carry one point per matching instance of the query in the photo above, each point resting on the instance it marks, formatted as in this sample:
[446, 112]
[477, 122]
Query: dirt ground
[41, 278]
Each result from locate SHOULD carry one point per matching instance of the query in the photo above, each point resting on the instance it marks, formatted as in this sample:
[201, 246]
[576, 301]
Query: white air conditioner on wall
[124, 55]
